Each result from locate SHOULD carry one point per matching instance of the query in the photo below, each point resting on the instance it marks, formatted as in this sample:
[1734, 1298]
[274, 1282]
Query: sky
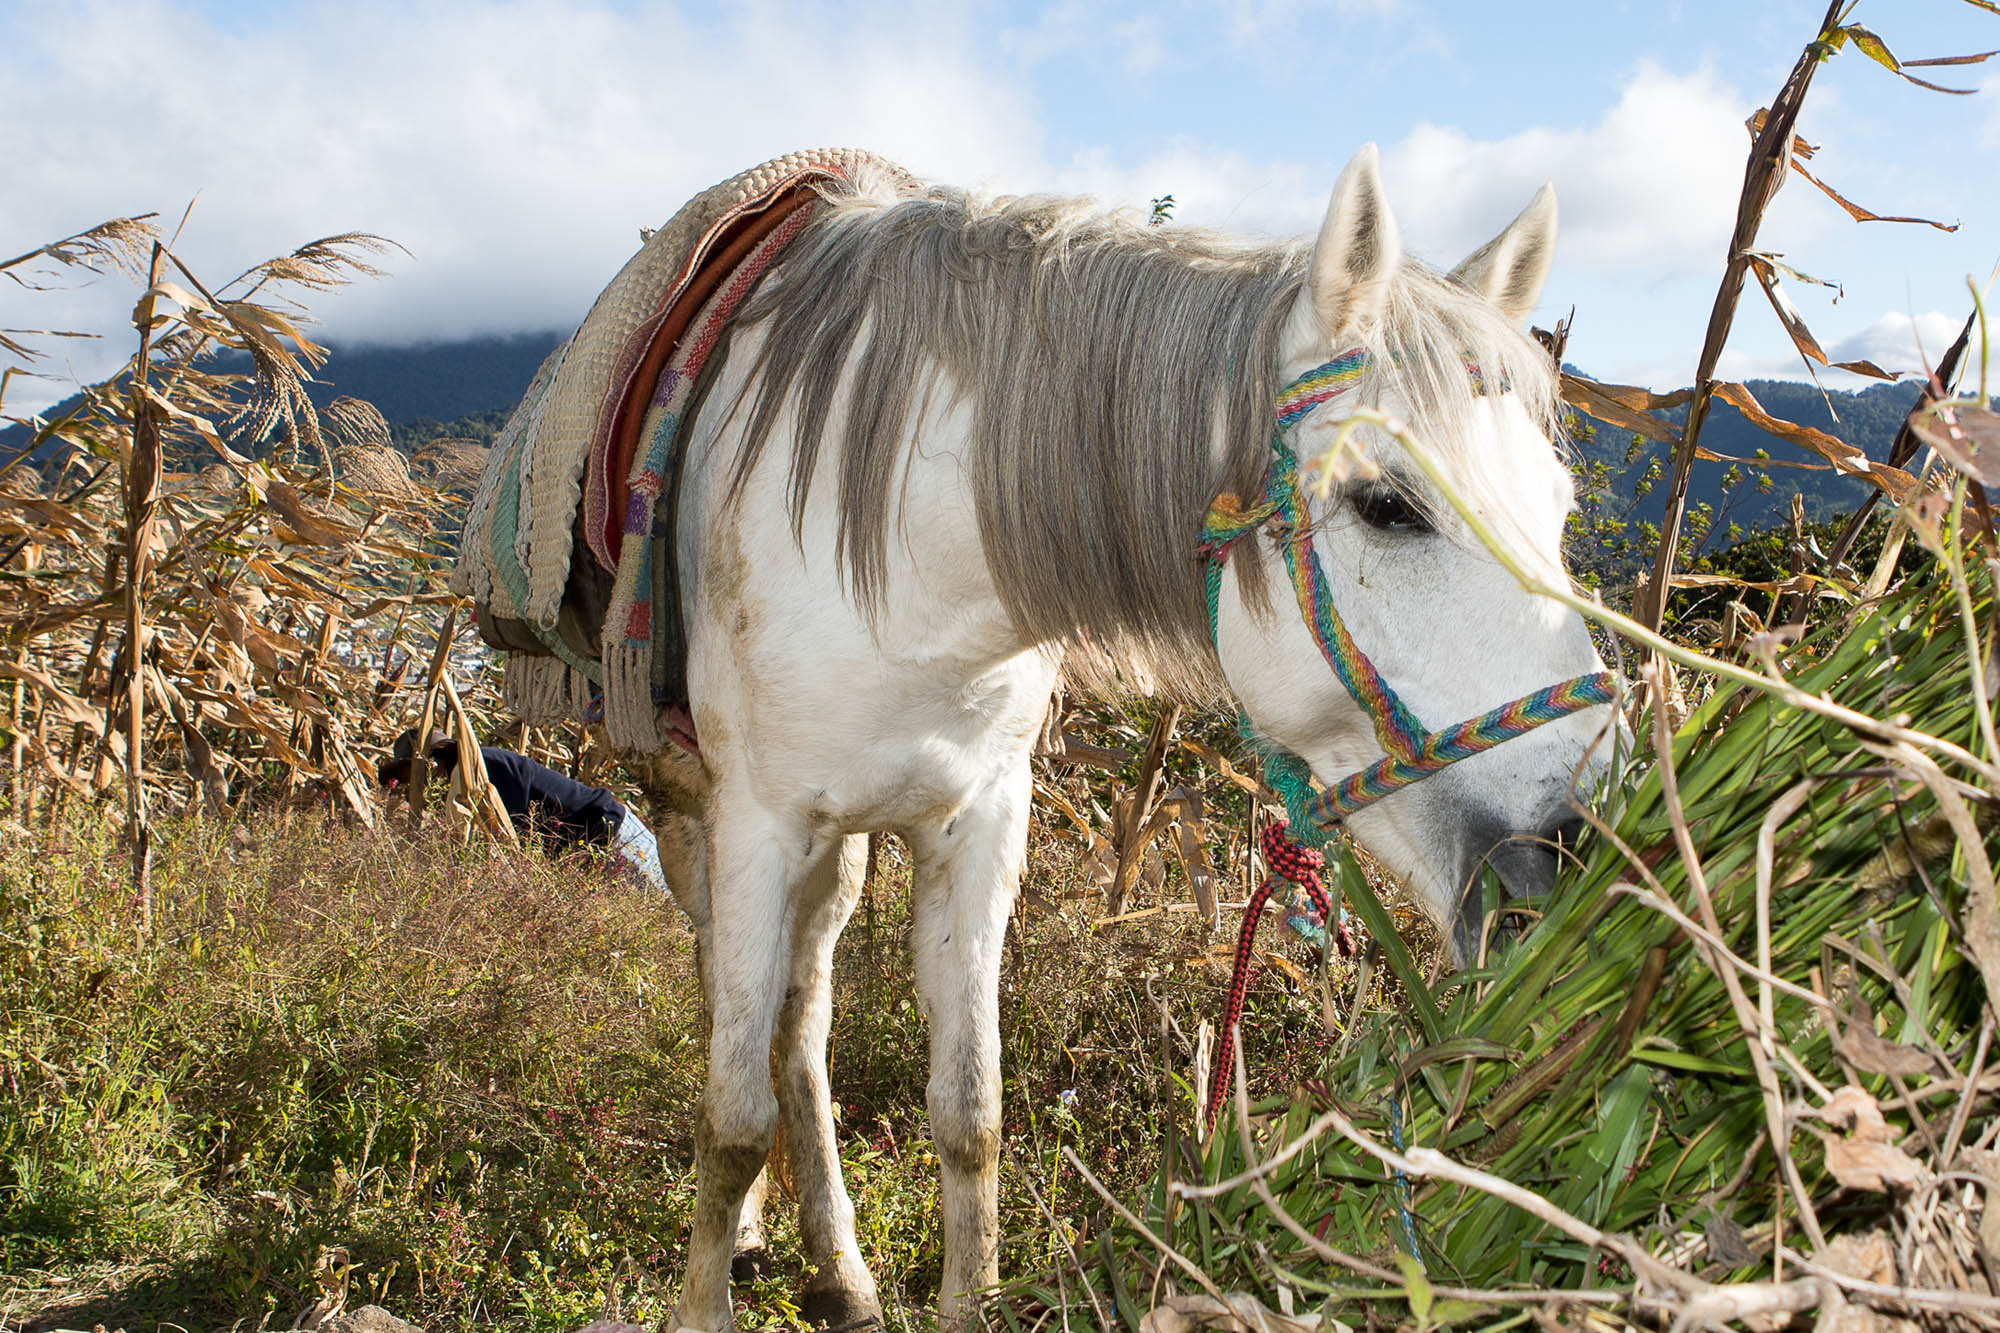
[515, 149]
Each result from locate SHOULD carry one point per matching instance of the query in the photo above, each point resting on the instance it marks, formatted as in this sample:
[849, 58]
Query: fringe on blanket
[544, 690]
[631, 714]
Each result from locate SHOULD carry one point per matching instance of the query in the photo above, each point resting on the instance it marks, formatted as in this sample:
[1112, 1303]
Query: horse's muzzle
[1527, 864]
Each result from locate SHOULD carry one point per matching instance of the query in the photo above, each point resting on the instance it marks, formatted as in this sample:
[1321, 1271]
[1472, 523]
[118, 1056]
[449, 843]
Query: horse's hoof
[837, 1308]
[750, 1263]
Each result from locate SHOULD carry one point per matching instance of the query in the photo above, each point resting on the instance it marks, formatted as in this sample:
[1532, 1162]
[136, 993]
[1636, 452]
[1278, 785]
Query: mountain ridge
[465, 387]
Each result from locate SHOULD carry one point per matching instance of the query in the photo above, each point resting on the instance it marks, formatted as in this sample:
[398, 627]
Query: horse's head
[1446, 626]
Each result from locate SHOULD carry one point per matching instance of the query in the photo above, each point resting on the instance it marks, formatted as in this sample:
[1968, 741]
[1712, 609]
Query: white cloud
[515, 149]
[1258, 20]
[1211, 187]
[1145, 50]
[1898, 342]
[1650, 188]
[1073, 25]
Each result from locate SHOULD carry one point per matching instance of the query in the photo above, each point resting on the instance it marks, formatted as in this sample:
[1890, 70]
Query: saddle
[568, 550]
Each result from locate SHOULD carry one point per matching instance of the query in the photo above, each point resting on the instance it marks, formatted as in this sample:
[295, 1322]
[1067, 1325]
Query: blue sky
[516, 148]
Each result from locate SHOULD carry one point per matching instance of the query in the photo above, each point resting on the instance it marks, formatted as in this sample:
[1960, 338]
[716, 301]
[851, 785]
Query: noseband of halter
[1412, 752]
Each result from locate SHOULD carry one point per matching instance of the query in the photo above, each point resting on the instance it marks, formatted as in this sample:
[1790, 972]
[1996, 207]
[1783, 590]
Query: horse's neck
[941, 599]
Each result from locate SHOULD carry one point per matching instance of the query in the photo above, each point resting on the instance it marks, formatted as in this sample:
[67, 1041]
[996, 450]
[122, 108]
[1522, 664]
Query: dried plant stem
[1695, 1304]
[1982, 925]
[1954, 559]
[1757, 1038]
[1899, 1298]
[17, 742]
[420, 761]
[1433, 1165]
[1781, 810]
[142, 482]
[1698, 932]
[1131, 1219]
[1963, 1111]
[1069, 1245]
[1257, 1173]
[1762, 175]
[1904, 447]
[1133, 833]
[480, 794]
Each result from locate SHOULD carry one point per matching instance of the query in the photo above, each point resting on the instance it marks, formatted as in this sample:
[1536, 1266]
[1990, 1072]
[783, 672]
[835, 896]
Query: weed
[474, 1071]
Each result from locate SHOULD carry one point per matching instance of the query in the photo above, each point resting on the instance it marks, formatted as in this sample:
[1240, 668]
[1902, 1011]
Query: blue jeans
[635, 850]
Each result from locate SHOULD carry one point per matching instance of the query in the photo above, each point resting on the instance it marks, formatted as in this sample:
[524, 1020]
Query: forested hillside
[465, 389]
[461, 388]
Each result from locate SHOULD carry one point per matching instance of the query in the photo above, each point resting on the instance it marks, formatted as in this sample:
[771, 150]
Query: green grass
[1636, 1106]
[475, 1074]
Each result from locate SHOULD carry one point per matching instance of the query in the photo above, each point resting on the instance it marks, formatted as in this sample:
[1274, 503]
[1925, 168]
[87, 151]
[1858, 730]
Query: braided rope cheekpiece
[1411, 751]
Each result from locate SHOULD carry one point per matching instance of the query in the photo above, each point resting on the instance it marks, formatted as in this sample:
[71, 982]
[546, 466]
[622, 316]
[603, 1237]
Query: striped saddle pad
[567, 551]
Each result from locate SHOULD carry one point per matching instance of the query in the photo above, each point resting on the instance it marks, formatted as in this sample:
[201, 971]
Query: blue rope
[1402, 1181]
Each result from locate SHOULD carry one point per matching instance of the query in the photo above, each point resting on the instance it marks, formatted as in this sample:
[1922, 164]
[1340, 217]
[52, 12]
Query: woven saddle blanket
[567, 551]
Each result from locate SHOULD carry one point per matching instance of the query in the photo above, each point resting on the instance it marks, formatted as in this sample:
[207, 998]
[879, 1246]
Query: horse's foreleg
[967, 873]
[842, 1292]
[754, 863]
[684, 860]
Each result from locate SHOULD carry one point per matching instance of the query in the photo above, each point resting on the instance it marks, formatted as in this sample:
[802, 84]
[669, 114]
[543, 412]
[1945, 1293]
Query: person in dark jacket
[542, 803]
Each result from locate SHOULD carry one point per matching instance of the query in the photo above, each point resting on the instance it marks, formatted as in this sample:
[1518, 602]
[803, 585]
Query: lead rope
[1293, 863]
[1412, 753]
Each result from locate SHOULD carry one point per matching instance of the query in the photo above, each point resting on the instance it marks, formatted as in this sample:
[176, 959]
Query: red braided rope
[1291, 862]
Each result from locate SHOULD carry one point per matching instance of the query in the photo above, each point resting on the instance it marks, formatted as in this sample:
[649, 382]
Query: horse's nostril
[1563, 835]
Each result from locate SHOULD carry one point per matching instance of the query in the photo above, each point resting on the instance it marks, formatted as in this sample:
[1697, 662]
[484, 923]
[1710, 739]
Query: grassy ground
[461, 1082]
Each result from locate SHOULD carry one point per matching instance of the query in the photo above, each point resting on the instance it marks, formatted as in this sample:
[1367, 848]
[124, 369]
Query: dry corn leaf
[1860, 1164]
[1278, 962]
[1857, 212]
[1897, 484]
[194, 421]
[1766, 269]
[1877, 50]
[1986, 1162]
[1925, 513]
[145, 313]
[50, 511]
[1861, 1046]
[1237, 1312]
[1967, 437]
[224, 664]
[69, 708]
[307, 528]
[1865, 1157]
[1625, 406]
[1192, 847]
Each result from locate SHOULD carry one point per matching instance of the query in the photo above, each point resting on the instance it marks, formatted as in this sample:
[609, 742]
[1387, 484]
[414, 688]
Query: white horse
[958, 448]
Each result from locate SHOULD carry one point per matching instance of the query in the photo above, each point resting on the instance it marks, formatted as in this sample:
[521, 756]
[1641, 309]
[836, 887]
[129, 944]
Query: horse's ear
[1509, 270]
[1357, 252]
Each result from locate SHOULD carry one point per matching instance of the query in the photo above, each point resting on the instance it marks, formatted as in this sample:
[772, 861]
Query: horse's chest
[854, 741]
[917, 749]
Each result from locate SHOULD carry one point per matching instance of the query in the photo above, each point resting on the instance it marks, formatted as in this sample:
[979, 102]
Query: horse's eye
[1389, 509]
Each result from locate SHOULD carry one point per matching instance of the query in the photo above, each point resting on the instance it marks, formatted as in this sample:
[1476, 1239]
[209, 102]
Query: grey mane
[1119, 376]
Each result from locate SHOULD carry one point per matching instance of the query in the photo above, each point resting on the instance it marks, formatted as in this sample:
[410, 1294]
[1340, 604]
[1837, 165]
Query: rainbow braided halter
[1412, 753]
